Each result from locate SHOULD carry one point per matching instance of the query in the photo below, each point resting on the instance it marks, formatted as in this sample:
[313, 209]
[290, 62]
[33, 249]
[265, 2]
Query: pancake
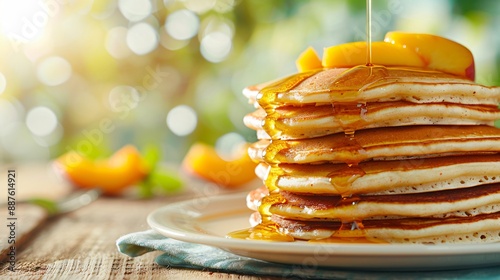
[383, 143]
[463, 202]
[291, 122]
[363, 84]
[476, 229]
[383, 177]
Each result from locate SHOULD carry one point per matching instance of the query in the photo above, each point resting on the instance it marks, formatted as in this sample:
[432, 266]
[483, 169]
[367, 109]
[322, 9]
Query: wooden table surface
[81, 244]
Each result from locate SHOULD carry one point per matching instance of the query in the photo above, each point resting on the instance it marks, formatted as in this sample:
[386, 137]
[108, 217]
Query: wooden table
[81, 244]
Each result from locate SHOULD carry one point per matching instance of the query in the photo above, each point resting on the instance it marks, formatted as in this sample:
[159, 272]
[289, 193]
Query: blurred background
[94, 75]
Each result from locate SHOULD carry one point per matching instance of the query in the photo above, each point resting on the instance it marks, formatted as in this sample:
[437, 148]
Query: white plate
[207, 220]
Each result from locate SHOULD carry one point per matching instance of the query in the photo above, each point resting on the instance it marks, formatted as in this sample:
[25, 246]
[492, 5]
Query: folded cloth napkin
[201, 257]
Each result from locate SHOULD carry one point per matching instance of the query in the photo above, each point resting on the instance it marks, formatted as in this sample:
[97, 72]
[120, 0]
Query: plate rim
[334, 249]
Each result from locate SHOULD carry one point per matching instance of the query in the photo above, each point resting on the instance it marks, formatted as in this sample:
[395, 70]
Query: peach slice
[308, 60]
[112, 175]
[437, 52]
[353, 54]
[202, 160]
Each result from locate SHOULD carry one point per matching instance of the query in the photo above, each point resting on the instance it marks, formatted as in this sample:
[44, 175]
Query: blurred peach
[112, 175]
[202, 160]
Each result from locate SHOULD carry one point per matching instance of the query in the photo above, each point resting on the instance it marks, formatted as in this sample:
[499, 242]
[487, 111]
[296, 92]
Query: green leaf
[165, 180]
[151, 155]
[47, 204]
[145, 190]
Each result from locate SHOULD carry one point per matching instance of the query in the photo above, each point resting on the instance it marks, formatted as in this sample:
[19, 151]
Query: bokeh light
[182, 24]
[142, 38]
[135, 10]
[216, 46]
[182, 120]
[199, 6]
[229, 146]
[41, 121]
[54, 71]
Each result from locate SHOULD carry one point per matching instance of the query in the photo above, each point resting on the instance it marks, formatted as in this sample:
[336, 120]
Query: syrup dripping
[272, 178]
[266, 229]
[267, 96]
[342, 179]
[271, 153]
[369, 33]
[349, 116]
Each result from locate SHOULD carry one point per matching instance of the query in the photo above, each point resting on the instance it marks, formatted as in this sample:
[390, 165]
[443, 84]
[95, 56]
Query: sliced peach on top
[308, 60]
[204, 161]
[353, 54]
[437, 52]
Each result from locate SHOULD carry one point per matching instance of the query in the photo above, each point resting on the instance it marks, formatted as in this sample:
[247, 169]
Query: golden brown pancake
[292, 122]
[382, 143]
[383, 177]
[475, 229]
[363, 84]
[460, 202]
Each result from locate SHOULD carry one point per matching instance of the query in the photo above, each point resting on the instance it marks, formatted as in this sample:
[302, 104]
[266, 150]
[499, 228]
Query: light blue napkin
[180, 254]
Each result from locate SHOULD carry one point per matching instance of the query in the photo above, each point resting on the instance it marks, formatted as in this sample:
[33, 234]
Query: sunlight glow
[25, 20]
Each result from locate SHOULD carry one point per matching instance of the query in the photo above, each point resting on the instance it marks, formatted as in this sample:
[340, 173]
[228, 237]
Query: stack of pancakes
[379, 154]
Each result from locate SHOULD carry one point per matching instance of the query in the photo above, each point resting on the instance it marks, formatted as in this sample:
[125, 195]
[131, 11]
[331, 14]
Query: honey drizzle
[267, 96]
[272, 178]
[369, 32]
[350, 117]
[266, 229]
[342, 180]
